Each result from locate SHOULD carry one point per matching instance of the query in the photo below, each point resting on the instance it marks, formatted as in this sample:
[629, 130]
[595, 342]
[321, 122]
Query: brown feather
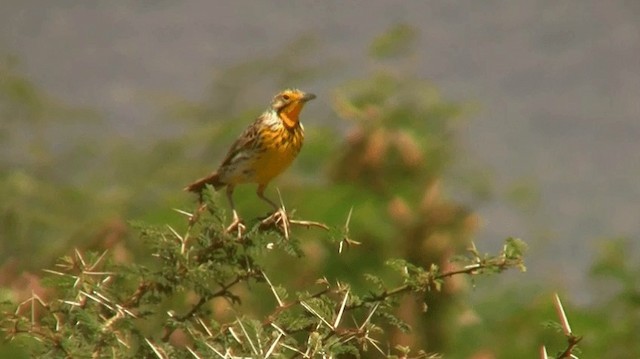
[199, 185]
[247, 140]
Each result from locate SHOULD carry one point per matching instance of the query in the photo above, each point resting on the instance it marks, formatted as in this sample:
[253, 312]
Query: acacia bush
[188, 300]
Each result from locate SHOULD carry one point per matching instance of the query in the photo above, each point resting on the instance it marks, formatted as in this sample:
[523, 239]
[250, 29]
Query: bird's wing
[246, 141]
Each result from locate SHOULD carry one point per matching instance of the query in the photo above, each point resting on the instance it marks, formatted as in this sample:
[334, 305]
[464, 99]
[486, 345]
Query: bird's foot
[279, 219]
[236, 226]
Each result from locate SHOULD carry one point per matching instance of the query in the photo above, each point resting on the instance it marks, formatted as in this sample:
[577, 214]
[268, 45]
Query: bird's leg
[236, 225]
[278, 217]
[260, 193]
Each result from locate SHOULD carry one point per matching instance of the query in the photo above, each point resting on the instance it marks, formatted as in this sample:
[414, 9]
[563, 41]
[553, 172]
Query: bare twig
[309, 224]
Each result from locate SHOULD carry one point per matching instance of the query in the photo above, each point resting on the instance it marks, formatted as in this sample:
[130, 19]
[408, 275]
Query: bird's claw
[280, 219]
[236, 226]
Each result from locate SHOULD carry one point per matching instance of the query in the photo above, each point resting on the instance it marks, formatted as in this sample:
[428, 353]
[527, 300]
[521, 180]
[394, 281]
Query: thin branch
[572, 343]
[470, 270]
[224, 290]
[134, 299]
[271, 318]
[309, 224]
[203, 300]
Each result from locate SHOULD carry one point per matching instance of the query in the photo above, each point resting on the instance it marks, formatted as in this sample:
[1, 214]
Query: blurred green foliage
[40, 182]
[396, 42]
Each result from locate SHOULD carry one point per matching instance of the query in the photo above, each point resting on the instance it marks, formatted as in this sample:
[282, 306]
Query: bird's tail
[199, 185]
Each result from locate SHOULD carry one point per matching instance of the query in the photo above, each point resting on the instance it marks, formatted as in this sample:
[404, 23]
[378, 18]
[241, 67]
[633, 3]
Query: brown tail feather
[199, 185]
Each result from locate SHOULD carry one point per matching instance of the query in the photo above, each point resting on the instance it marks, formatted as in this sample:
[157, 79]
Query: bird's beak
[307, 97]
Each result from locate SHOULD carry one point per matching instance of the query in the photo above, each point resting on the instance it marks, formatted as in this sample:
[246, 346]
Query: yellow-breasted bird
[264, 150]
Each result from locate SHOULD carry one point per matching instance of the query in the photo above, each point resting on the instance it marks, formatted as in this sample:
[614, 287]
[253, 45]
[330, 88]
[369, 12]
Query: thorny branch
[572, 339]
[500, 265]
[417, 280]
[431, 279]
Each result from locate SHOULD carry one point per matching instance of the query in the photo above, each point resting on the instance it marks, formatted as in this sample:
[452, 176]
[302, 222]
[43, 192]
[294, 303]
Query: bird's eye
[285, 97]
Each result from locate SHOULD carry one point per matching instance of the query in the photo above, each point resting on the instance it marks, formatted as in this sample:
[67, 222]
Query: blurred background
[523, 115]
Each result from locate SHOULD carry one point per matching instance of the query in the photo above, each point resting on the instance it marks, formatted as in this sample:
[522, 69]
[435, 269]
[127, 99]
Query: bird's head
[288, 104]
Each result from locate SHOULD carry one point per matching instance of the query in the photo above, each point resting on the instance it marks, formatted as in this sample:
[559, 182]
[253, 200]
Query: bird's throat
[290, 115]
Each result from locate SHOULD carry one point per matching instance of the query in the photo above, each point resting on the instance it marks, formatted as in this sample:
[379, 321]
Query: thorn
[99, 260]
[215, 350]
[234, 335]
[346, 225]
[253, 348]
[373, 310]
[79, 257]
[280, 197]
[566, 328]
[375, 344]
[278, 329]
[193, 353]
[273, 289]
[155, 349]
[346, 240]
[273, 346]
[314, 312]
[341, 311]
[187, 214]
[543, 353]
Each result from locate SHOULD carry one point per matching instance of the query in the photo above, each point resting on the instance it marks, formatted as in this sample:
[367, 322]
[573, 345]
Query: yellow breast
[280, 146]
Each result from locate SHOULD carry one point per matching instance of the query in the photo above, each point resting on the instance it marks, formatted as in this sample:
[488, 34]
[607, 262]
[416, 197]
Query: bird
[263, 151]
